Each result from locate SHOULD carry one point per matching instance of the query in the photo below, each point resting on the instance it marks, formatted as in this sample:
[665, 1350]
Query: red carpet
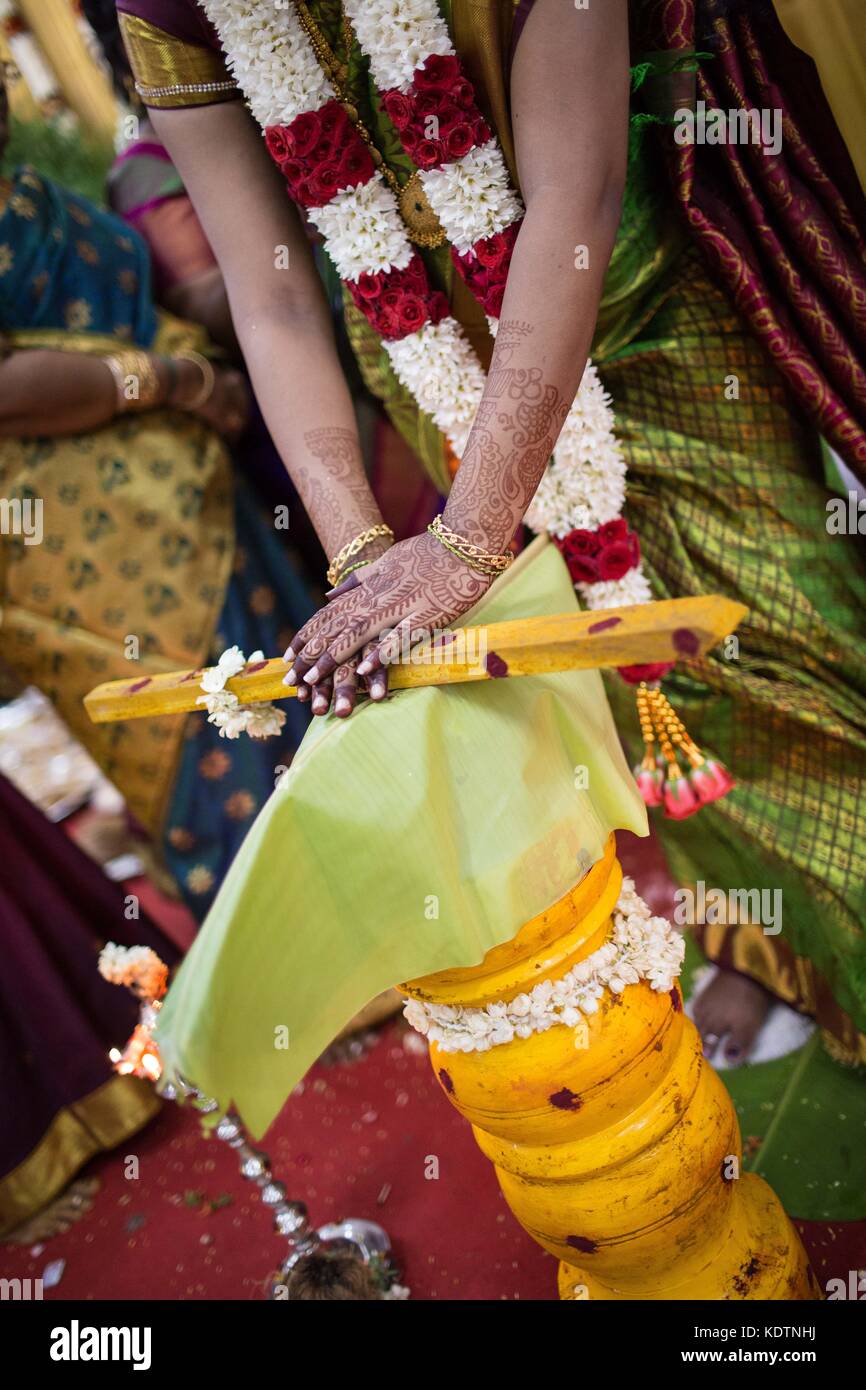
[356, 1140]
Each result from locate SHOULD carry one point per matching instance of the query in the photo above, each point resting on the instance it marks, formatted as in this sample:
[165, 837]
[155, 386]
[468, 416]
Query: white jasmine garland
[270, 58]
[641, 947]
[276, 67]
[442, 371]
[224, 709]
[634, 587]
[363, 230]
[398, 36]
[472, 196]
[584, 486]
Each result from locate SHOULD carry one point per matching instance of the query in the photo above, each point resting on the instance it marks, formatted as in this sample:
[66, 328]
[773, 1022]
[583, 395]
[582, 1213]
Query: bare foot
[731, 1008]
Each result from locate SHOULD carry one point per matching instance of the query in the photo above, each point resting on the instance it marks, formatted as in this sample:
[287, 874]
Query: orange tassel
[661, 780]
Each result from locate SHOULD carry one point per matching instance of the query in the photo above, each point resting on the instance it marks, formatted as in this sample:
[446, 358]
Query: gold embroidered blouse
[170, 71]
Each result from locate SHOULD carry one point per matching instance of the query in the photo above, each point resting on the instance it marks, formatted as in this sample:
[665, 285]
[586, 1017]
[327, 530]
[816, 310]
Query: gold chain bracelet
[483, 561]
[135, 380]
[352, 548]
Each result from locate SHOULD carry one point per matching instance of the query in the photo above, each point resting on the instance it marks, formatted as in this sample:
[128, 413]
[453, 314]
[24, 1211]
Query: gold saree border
[99, 1121]
[170, 72]
[794, 979]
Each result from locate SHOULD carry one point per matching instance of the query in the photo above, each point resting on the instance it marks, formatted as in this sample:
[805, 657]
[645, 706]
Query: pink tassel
[680, 799]
[711, 781]
[650, 781]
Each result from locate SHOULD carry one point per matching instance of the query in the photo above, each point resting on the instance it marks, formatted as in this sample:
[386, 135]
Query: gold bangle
[483, 561]
[338, 564]
[344, 574]
[208, 378]
[135, 379]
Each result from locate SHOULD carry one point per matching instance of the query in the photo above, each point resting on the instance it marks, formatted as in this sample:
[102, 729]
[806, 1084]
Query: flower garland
[642, 947]
[330, 172]
[259, 720]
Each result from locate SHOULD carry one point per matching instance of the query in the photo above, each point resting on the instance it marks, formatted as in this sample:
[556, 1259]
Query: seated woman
[113, 430]
[60, 1100]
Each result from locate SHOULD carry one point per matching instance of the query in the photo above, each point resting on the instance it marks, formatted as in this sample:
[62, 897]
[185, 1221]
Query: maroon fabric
[182, 18]
[58, 1017]
[784, 234]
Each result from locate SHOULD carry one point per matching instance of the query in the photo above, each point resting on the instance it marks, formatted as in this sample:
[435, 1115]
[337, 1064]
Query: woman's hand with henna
[415, 588]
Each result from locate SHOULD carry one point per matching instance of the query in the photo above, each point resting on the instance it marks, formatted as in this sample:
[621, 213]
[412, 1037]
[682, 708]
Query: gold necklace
[421, 223]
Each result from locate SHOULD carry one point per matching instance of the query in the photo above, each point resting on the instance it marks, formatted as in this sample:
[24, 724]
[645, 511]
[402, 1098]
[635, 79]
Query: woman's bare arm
[48, 393]
[279, 311]
[570, 87]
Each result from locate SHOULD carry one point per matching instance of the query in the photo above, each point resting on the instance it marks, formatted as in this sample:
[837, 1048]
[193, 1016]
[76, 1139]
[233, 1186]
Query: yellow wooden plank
[671, 630]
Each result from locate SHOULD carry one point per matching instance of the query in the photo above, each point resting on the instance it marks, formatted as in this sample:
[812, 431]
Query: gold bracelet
[135, 380]
[338, 564]
[484, 561]
[208, 378]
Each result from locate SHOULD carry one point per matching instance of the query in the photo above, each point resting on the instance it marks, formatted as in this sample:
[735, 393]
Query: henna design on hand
[418, 586]
[335, 490]
[515, 429]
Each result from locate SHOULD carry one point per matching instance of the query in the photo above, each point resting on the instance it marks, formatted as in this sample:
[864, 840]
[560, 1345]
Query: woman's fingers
[321, 699]
[376, 681]
[345, 688]
[397, 641]
[318, 626]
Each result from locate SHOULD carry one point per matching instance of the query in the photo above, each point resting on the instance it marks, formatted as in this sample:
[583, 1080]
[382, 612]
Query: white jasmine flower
[472, 196]
[363, 230]
[617, 593]
[398, 36]
[264, 720]
[642, 947]
[441, 370]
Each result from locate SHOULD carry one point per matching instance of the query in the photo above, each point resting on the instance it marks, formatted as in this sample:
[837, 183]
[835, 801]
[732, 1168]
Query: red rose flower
[613, 531]
[463, 93]
[579, 549]
[425, 104]
[482, 131]
[356, 166]
[294, 172]
[493, 299]
[427, 153]
[580, 542]
[368, 285]
[439, 71]
[492, 251]
[306, 132]
[615, 560]
[279, 142]
[411, 314]
[460, 140]
[398, 108]
[414, 275]
[322, 151]
[332, 118]
[449, 116]
[324, 183]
